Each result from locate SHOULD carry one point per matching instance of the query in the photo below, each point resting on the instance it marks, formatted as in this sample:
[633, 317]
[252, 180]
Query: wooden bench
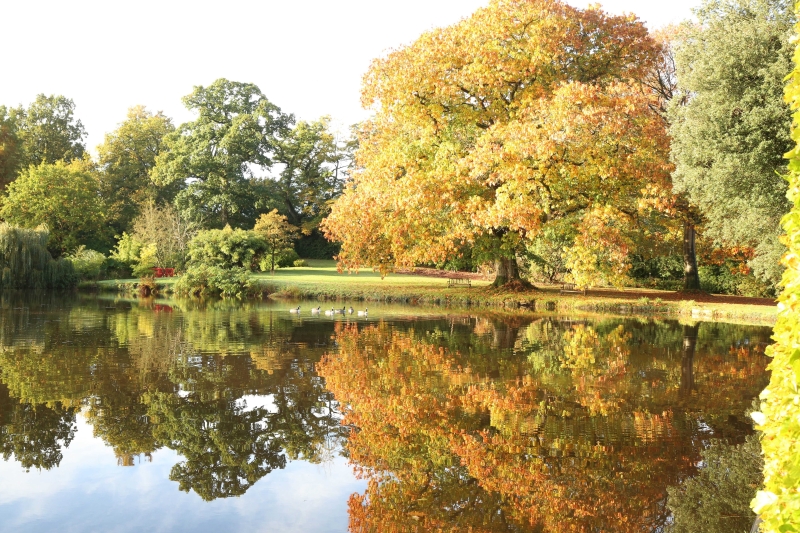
[459, 282]
[571, 288]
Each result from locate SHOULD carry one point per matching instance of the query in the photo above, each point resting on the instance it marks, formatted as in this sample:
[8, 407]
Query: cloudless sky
[307, 56]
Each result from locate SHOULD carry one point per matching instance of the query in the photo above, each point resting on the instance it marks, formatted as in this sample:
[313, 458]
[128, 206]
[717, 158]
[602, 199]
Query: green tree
[730, 137]
[10, 150]
[220, 154]
[64, 198]
[312, 173]
[49, 131]
[279, 235]
[126, 157]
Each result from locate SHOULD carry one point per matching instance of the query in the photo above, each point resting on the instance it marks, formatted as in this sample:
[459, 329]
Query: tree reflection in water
[574, 427]
[150, 379]
[490, 423]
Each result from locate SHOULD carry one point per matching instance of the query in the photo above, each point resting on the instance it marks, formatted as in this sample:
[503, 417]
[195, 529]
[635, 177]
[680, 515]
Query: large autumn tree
[529, 112]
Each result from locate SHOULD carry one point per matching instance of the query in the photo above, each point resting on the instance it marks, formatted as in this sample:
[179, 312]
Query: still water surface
[175, 416]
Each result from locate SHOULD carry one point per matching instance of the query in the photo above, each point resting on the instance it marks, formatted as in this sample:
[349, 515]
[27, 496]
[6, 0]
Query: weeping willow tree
[25, 262]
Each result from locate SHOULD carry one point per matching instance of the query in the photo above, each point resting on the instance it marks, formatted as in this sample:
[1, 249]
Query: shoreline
[626, 302]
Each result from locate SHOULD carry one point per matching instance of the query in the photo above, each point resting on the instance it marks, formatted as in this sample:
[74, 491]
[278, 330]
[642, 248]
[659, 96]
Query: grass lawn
[320, 281]
[323, 272]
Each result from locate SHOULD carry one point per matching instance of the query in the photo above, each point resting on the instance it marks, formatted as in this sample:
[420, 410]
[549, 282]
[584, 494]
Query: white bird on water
[363, 313]
[330, 313]
[295, 310]
[315, 310]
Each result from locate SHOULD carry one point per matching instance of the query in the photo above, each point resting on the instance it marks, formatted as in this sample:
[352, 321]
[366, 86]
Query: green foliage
[316, 246]
[10, 147]
[313, 172]
[126, 157]
[49, 132]
[729, 139]
[719, 279]
[279, 235]
[25, 262]
[62, 196]
[227, 248]
[88, 264]
[127, 250]
[234, 135]
[284, 259]
[544, 257]
[147, 260]
[778, 503]
[300, 263]
[211, 280]
[166, 231]
[220, 262]
[716, 500]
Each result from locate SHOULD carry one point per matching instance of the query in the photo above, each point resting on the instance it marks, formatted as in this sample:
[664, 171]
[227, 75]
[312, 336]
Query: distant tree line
[153, 186]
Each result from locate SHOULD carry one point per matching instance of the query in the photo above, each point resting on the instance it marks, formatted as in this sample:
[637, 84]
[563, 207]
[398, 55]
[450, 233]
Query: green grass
[320, 281]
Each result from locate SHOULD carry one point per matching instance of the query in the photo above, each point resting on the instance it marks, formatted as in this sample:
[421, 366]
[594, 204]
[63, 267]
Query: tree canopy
[49, 131]
[526, 113]
[63, 197]
[729, 139]
[126, 158]
[219, 156]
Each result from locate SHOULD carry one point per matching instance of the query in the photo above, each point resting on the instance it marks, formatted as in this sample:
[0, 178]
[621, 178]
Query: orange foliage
[587, 442]
[526, 113]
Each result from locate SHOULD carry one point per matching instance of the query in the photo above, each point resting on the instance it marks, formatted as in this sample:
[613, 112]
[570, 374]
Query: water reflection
[575, 426]
[459, 423]
[185, 379]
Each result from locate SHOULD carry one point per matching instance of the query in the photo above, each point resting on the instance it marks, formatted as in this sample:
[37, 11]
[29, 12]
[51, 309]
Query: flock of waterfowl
[332, 311]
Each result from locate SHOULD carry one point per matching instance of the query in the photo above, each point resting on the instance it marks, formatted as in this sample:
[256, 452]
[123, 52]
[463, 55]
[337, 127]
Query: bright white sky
[306, 56]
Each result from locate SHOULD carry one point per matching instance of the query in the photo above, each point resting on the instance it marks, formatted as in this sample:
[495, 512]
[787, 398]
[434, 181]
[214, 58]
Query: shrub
[286, 258]
[88, 264]
[301, 263]
[209, 280]
[228, 248]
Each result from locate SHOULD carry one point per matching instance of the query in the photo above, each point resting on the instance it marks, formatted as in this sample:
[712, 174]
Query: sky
[306, 56]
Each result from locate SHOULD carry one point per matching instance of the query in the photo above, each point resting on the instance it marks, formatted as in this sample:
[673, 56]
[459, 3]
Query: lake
[160, 415]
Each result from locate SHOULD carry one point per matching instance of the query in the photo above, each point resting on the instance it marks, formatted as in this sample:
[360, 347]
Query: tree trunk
[687, 361]
[691, 279]
[507, 271]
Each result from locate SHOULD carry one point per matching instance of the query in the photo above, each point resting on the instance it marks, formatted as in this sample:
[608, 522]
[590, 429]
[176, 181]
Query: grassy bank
[321, 282]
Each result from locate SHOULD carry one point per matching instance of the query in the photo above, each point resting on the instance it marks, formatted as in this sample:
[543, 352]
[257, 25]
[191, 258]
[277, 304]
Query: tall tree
[126, 157]
[62, 196]
[730, 137]
[219, 156]
[528, 112]
[49, 131]
[312, 173]
[10, 150]
[662, 80]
